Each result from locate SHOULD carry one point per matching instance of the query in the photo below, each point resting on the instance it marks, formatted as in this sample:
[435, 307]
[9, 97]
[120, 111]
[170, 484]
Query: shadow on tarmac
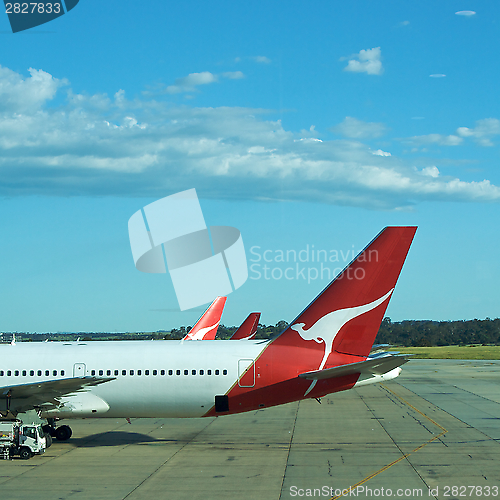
[116, 438]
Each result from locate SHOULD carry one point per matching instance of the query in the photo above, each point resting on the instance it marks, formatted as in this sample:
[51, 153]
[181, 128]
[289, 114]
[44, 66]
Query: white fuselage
[152, 378]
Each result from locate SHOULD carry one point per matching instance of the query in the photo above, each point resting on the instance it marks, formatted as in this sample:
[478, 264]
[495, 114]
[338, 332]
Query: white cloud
[261, 59]
[439, 139]
[431, 171]
[190, 82]
[379, 152]
[437, 75]
[233, 75]
[466, 13]
[482, 134]
[367, 61]
[21, 94]
[95, 145]
[358, 129]
[483, 131]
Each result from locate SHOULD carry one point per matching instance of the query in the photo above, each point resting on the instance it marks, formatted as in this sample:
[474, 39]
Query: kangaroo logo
[326, 328]
[202, 331]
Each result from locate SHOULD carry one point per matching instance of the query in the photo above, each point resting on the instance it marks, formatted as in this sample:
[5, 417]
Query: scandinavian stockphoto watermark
[308, 263]
[203, 262]
[363, 491]
[26, 15]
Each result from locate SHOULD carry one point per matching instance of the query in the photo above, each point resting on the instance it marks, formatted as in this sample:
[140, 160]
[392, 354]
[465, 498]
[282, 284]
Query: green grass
[451, 352]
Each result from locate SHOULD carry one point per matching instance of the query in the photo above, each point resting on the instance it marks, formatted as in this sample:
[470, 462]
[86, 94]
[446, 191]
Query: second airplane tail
[206, 327]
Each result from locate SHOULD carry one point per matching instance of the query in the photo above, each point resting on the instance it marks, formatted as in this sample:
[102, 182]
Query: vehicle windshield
[29, 432]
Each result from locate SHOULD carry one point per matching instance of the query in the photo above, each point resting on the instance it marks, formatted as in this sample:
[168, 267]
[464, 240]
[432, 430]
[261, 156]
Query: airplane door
[79, 370]
[246, 373]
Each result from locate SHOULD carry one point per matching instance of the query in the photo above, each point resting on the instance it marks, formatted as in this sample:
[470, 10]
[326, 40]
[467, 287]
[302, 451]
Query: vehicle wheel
[63, 433]
[48, 429]
[48, 440]
[25, 453]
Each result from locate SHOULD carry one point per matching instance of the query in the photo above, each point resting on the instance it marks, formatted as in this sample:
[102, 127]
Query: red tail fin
[248, 328]
[346, 316]
[206, 327]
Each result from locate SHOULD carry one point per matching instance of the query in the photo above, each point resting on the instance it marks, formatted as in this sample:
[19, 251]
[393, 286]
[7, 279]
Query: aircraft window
[116, 372]
[209, 372]
[39, 373]
[1, 373]
[217, 372]
[224, 372]
[146, 372]
[178, 372]
[92, 372]
[108, 372]
[54, 373]
[162, 372]
[193, 372]
[155, 372]
[170, 372]
[9, 373]
[101, 372]
[131, 372]
[32, 372]
[16, 373]
[47, 373]
[62, 373]
[24, 373]
[139, 372]
[201, 372]
[186, 372]
[124, 372]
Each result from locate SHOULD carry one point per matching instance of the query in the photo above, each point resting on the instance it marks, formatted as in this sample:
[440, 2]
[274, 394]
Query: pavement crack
[289, 447]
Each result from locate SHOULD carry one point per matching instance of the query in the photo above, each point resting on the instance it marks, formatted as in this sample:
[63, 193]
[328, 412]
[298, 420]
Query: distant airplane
[206, 327]
[248, 328]
[324, 350]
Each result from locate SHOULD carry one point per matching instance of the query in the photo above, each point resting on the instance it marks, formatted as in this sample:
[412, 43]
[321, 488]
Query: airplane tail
[248, 328]
[206, 327]
[344, 319]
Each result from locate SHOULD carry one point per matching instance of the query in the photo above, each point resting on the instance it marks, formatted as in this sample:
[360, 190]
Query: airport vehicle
[206, 327]
[248, 328]
[21, 439]
[324, 350]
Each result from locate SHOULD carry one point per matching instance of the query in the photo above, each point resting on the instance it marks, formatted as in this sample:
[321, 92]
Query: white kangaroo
[327, 327]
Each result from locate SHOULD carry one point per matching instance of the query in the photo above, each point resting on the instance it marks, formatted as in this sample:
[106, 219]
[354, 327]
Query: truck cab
[24, 440]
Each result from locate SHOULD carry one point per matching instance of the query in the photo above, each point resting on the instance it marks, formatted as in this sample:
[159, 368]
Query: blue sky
[298, 123]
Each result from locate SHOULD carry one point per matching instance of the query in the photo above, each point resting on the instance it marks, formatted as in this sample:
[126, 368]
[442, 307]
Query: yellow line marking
[371, 476]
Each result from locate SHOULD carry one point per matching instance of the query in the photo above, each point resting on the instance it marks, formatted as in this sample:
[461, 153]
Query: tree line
[439, 333]
[414, 333]
[407, 333]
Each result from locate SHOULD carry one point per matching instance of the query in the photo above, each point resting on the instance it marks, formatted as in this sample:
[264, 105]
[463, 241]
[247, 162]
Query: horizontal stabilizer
[377, 366]
[378, 347]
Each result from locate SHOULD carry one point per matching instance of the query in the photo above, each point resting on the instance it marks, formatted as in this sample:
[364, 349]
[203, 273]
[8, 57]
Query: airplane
[247, 329]
[206, 327]
[324, 350]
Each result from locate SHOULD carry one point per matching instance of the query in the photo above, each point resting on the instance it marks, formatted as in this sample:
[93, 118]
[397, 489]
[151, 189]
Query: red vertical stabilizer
[346, 316]
[206, 327]
[248, 328]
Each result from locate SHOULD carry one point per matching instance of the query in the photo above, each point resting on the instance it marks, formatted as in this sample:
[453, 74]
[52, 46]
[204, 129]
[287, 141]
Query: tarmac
[431, 433]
